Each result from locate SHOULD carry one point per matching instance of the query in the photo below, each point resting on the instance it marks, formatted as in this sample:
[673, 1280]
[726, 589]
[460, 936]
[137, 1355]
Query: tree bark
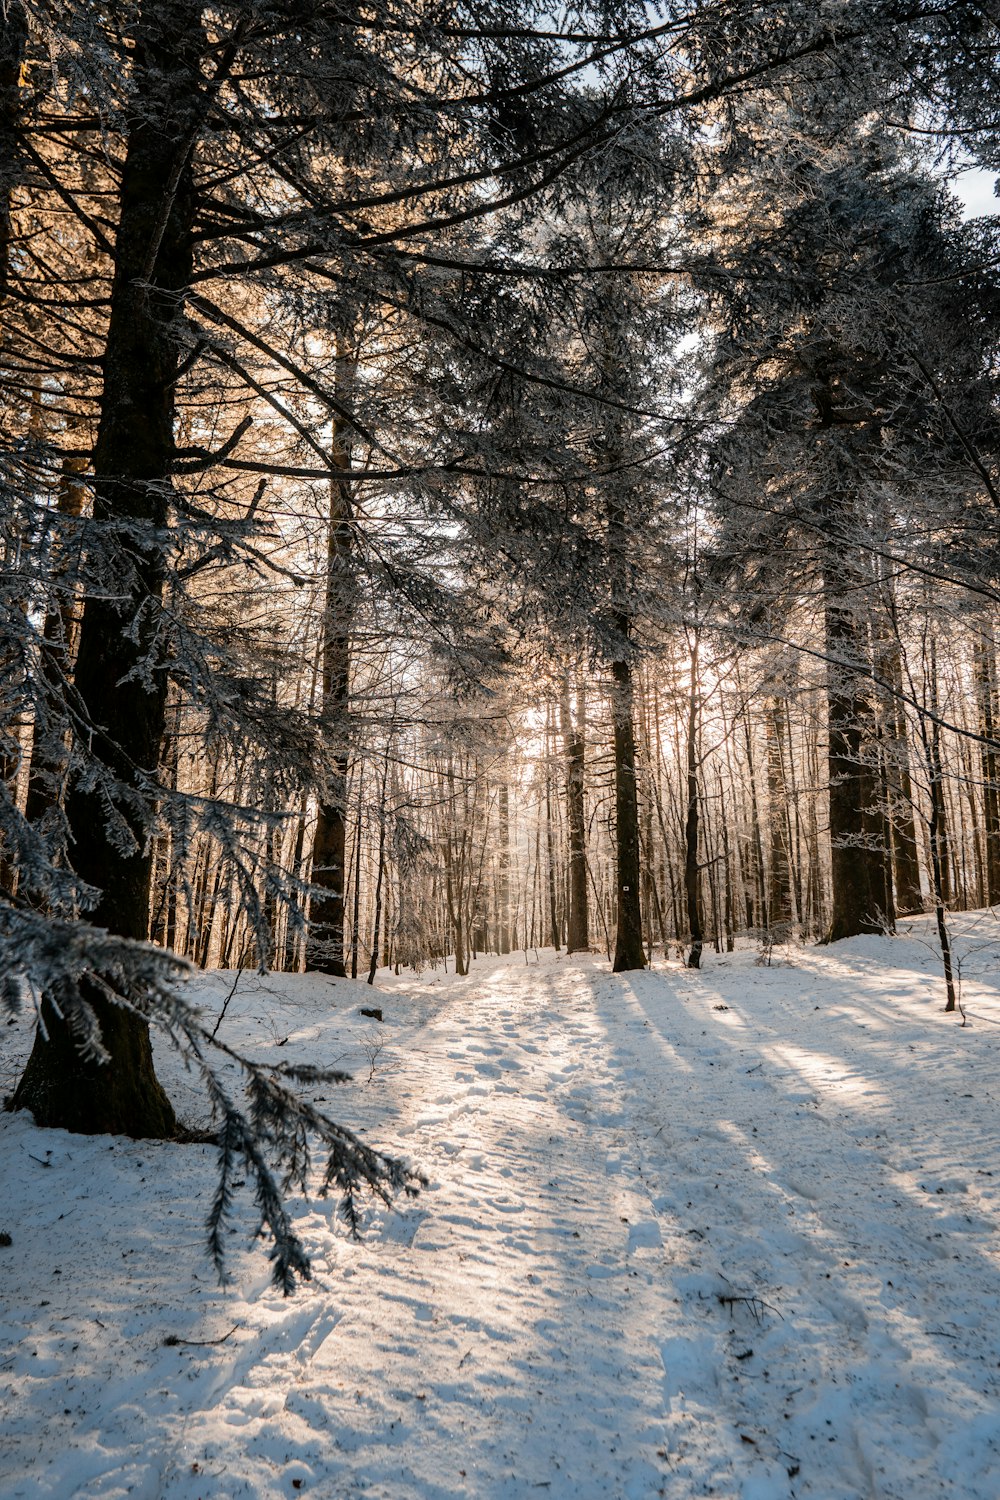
[861, 898]
[692, 871]
[504, 935]
[121, 680]
[906, 860]
[358, 830]
[986, 684]
[325, 946]
[779, 883]
[629, 949]
[380, 874]
[550, 865]
[13, 45]
[574, 751]
[755, 891]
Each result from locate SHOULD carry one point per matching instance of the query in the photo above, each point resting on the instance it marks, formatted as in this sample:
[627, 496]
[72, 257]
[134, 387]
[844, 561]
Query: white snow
[727, 1233]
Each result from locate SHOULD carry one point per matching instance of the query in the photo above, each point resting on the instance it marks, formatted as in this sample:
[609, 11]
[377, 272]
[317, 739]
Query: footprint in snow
[644, 1236]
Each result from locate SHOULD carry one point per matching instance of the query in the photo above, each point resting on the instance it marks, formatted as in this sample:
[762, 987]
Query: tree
[119, 682]
[192, 104]
[574, 738]
[820, 349]
[325, 950]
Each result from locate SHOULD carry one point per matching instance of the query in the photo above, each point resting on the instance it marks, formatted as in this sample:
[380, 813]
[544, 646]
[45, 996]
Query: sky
[975, 188]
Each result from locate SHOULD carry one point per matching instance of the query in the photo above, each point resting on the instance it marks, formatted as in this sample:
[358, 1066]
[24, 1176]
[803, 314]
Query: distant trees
[831, 254]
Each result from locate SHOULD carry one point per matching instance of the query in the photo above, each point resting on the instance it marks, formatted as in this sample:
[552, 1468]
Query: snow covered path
[728, 1234]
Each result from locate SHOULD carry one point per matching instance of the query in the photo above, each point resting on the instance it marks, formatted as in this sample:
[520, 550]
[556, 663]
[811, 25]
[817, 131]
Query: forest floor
[729, 1233]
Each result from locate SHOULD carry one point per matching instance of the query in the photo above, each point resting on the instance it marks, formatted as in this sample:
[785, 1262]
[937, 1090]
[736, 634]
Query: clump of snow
[727, 1233]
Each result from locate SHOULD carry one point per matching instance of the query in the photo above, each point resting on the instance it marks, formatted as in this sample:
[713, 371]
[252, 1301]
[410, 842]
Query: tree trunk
[503, 889]
[931, 737]
[551, 864]
[13, 44]
[692, 872]
[455, 876]
[906, 860]
[629, 949]
[380, 874]
[858, 853]
[358, 830]
[48, 764]
[756, 903]
[574, 751]
[120, 678]
[898, 799]
[325, 945]
[986, 685]
[779, 883]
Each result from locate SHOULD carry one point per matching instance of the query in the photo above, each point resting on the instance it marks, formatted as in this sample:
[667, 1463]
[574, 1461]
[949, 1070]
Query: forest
[499, 749]
[480, 478]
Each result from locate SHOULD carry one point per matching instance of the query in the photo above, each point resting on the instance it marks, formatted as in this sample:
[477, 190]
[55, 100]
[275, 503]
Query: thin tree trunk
[356, 915]
[858, 853]
[574, 751]
[692, 871]
[49, 759]
[551, 864]
[779, 885]
[727, 859]
[629, 947]
[931, 734]
[503, 885]
[986, 686]
[379, 873]
[13, 45]
[325, 945]
[757, 845]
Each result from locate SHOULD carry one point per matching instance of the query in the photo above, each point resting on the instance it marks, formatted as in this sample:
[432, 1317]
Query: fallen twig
[757, 1305]
[225, 1005]
[172, 1340]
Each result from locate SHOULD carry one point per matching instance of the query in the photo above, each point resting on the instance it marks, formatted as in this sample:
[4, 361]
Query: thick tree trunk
[120, 678]
[629, 949]
[325, 946]
[575, 751]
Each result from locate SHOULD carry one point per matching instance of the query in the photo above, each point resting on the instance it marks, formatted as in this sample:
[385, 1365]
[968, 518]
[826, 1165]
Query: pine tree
[819, 357]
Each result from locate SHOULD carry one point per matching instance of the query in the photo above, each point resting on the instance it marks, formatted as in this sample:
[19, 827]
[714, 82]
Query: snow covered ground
[731, 1233]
